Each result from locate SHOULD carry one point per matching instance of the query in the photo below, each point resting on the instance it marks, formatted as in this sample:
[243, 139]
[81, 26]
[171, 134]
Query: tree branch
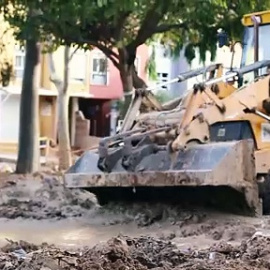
[149, 24]
[53, 75]
[115, 62]
[72, 54]
[66, 69]
[113, 56]
[97, 44]
[167, 27]
[120, 25]
[138, 82]
[104, 48]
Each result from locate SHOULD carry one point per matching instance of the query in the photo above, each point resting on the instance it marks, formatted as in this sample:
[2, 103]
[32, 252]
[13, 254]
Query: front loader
[195, 165]
[216, 152]
[146, 109]
[146, 112]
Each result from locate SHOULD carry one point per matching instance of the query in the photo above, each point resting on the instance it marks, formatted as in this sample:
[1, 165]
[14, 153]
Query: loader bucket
[221, 173]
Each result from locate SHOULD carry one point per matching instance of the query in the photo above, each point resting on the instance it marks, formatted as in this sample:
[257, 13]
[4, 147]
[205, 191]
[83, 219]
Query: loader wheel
[264, 193]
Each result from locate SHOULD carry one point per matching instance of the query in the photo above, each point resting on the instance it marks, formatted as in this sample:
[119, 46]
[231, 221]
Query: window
[162, 78]
[19, 61]
[99, 74]
[248, 49]
[77, 66]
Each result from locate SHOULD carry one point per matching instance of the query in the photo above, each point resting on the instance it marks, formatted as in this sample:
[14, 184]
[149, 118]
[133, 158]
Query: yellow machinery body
[215, 142]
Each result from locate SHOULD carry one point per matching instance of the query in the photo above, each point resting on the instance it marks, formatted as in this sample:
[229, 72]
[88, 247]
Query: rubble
[43, 198]
[164, 229]
[140, 253]
[46, 198]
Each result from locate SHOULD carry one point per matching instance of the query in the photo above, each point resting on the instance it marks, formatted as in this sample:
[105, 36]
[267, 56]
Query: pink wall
[114, 89]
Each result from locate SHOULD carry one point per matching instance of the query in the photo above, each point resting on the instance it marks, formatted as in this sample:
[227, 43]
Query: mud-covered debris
[247, 231]
[12, 246]
[223, 247]
[141, 253]
[44, 198]
[217, 234]
[146, 214]
[216, 256]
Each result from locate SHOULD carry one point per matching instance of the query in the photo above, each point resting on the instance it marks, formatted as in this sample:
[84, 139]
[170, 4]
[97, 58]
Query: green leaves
[110, 24]
[150, 66]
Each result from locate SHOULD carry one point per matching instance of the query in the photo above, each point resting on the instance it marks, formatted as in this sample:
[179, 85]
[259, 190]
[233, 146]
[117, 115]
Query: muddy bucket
[217, 174]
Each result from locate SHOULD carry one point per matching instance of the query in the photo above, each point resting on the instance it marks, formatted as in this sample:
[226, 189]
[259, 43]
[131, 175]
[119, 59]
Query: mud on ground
[141, 253]
[216, 240]
[43, 197]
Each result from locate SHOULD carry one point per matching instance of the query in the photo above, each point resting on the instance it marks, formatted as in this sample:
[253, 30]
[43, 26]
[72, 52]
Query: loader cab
[249, 42]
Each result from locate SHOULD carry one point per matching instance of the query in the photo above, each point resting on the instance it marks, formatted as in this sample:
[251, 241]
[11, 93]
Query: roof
[16, 90]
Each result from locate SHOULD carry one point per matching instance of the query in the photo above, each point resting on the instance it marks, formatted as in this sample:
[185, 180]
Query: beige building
[10, 94]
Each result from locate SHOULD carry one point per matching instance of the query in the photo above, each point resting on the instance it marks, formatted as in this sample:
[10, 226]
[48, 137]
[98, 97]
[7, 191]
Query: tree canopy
[118, 27]
[6, 56]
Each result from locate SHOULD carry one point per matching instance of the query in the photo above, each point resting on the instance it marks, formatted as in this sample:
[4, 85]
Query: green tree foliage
[150, 66]
[6, 61]
[118, 27]
[6, 67]
[203, 20]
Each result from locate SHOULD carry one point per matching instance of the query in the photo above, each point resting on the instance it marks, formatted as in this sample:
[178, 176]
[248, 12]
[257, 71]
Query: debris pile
[138, 253]
[44, 198]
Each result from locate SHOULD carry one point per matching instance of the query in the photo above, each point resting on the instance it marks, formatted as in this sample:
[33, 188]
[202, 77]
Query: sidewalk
[12, 158]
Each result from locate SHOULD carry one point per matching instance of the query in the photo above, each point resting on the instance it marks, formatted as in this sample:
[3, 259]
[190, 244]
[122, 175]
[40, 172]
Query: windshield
[248, 49]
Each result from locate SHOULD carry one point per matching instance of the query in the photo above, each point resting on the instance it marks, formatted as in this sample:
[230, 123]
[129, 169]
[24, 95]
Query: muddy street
[39, 210]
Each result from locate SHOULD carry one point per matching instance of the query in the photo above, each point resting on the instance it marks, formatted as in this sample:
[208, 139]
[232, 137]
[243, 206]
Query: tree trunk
[64, 152]
[127, 83]
[130, 80]
[129, 77]
[65, 158]
[64, 149]
[28, 154]
[137, 81]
